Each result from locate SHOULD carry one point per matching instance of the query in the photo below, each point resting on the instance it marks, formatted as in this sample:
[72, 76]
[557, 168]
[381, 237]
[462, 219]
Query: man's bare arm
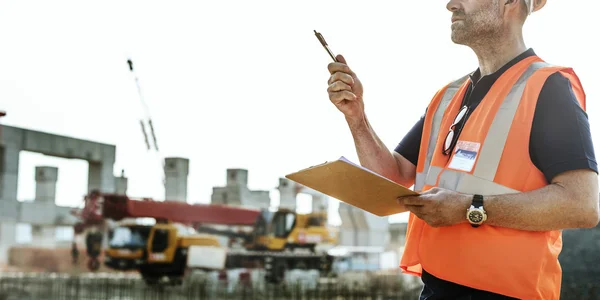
[346, 93]
[570, 201]
[375, 156]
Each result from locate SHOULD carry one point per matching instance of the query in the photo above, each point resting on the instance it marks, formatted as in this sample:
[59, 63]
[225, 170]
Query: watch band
[477, 201]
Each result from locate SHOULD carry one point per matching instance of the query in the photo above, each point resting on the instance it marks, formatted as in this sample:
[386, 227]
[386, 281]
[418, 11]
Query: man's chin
[457, 40]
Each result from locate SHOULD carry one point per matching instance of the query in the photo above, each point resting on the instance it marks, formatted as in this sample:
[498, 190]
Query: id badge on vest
[465, 155]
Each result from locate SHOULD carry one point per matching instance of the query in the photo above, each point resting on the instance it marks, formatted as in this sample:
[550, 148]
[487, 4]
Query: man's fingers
[339, 86]
[337, 97]
[338, 67]
[340, 76]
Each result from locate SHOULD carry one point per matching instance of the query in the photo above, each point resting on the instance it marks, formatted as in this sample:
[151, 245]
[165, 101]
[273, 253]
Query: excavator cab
[162, 243]
[286, 229]
[168, 248]
[127, 246]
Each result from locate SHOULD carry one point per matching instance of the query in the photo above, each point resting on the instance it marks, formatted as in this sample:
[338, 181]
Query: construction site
[238, 243]
[237, 246]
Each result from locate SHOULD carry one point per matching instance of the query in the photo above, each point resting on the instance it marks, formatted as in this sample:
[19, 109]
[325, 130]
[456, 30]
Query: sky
[240, 84]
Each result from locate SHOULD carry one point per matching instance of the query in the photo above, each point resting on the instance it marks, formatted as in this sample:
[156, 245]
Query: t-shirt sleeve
[411, 143]
[560, 138]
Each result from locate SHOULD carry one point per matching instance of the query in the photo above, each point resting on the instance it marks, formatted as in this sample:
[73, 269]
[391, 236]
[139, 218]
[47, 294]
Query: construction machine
[212, 237]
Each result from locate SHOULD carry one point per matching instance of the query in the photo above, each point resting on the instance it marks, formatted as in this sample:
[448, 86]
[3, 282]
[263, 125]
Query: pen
[324, 43]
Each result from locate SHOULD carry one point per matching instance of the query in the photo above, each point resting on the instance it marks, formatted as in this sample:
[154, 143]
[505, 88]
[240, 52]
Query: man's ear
[512, 4]
[538, 4]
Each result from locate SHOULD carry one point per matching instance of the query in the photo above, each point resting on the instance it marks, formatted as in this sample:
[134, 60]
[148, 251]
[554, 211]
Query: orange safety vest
[516, 263]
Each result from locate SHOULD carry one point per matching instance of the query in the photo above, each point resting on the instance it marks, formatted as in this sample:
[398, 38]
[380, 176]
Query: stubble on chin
[458, 35]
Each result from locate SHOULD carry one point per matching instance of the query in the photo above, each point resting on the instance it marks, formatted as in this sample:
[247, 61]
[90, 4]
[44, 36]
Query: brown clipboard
[354, 185]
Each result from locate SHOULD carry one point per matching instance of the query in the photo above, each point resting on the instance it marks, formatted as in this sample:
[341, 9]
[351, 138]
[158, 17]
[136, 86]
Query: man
[503, 160]
[74, 253]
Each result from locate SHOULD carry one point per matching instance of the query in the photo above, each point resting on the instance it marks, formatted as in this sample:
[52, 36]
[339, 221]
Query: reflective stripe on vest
[493, 146]
[429, 177]
[481, 182]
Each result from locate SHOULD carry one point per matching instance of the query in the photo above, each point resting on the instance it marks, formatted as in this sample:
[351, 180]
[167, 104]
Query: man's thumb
[341, 59]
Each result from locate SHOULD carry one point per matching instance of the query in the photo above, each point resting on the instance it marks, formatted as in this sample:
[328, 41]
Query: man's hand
[346, 91]
[438, 207]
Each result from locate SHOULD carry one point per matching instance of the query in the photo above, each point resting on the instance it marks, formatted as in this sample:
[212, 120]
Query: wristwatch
[476, 214]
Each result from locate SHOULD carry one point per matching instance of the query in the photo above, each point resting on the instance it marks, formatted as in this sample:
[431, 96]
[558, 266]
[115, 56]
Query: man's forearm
[374, 155]
[553, 207]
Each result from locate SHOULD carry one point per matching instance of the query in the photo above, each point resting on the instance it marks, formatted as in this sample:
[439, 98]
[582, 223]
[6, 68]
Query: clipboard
[354, 185]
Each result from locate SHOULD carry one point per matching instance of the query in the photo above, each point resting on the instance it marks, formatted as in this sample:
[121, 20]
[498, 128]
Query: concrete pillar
[319, 202]
[347, 233]
[176, 178]
[7, 239]
[9, 175]
[121, 184]
[397, 236]
[10, 172]
[100, 176]
[397, 242]
[237, 177]
[287, 194]
[45, 183]
[373, 231]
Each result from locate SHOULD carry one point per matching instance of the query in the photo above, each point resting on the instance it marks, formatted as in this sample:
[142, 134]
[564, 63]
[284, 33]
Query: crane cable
[147, 116]
[146, 110]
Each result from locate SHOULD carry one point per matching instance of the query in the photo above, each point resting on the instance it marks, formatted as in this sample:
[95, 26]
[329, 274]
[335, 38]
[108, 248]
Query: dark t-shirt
[560, 141]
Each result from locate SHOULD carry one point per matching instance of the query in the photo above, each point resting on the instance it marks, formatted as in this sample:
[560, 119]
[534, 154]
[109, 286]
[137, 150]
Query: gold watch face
[476, 216]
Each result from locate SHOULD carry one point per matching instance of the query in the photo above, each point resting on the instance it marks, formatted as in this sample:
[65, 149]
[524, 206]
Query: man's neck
[493, 55]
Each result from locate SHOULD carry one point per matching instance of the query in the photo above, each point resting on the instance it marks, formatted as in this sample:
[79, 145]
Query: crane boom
[118, 207]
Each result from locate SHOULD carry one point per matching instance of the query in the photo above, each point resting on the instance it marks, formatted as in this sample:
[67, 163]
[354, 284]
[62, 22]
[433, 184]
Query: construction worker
[503, 160]
[74, 253]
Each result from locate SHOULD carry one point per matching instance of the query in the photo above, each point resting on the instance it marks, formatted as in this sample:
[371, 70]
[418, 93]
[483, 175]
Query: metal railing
[120, 287]
[110, 286]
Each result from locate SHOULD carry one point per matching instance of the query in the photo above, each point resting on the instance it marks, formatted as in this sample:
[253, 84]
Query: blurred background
[236, 94]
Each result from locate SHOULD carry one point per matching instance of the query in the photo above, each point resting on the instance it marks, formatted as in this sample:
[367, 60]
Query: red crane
[100, 207]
